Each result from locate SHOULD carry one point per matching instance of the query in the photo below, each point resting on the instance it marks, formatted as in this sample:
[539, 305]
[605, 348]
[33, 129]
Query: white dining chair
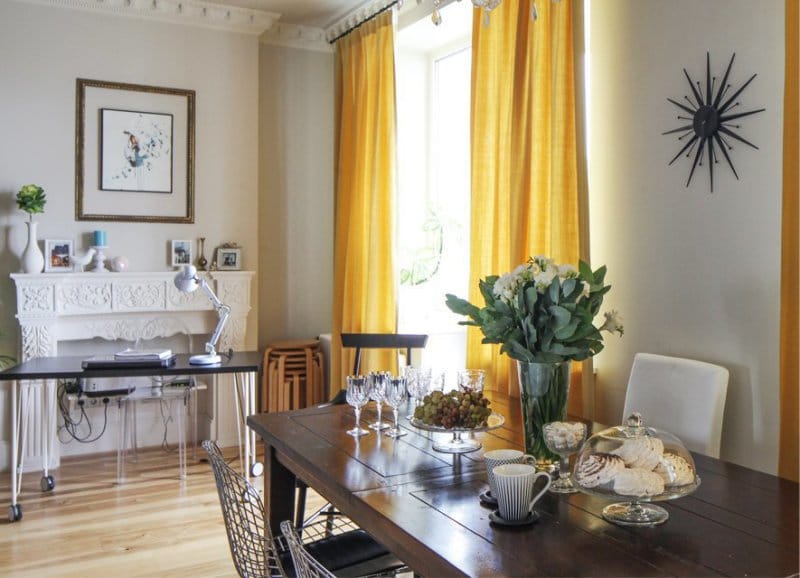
[682, 396]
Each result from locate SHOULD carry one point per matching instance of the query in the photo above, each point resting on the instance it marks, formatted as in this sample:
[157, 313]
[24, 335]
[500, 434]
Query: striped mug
[515, 498]
[495, 458]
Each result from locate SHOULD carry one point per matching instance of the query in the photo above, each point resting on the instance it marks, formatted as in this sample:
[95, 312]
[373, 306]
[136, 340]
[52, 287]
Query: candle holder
[98, 264]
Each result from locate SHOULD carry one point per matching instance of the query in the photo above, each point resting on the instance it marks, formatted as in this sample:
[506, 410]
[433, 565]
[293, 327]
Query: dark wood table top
[424, 506]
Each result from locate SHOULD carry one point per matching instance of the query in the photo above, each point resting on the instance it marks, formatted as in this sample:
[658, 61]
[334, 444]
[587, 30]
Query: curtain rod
[356, 25]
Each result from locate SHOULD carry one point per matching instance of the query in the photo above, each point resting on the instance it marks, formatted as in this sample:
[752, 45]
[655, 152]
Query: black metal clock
[710, 128]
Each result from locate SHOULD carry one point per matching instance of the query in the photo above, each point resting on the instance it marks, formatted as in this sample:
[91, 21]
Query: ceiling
[317, 13]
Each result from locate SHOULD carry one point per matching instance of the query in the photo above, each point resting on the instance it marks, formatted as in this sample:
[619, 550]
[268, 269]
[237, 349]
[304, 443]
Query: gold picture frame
[96, 201]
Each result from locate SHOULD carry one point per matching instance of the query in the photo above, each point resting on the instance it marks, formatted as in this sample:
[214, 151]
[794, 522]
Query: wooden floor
[153, 525]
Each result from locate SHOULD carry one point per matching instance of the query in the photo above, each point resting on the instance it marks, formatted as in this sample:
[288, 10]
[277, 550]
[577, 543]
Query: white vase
[32, 258]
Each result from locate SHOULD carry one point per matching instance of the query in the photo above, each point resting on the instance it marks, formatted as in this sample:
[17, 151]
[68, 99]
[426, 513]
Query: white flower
[508, 284]
[585, 289]
[567, 271]
[545, 278]
[613, 322]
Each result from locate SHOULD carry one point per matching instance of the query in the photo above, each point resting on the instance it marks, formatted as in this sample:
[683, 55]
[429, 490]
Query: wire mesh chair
[335, 542]
[305, 565]
[253, 548]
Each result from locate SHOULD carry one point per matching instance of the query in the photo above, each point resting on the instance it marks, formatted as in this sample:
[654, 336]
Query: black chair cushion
[354, 553]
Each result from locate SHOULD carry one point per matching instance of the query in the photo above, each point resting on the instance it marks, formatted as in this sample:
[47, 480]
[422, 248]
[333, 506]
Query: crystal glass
[357, 396]
[395, 397]
[471, 379]
[417, 381]
[376, 383]
[564, 438]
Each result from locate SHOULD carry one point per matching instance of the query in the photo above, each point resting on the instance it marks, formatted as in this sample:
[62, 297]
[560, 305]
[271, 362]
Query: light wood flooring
[153, 525]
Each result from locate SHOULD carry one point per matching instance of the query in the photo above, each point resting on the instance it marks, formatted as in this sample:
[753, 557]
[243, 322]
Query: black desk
[244, 365]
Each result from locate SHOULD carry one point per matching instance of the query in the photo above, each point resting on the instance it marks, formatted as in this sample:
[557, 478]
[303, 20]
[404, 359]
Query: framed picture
[134, 154]
[181, 253]
[229, 259]
[58, 255]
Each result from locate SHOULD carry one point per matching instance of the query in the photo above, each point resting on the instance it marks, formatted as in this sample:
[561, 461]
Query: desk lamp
[188, 281]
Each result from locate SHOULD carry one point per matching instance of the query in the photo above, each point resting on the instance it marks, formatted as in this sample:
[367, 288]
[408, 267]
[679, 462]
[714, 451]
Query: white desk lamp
[188, 281]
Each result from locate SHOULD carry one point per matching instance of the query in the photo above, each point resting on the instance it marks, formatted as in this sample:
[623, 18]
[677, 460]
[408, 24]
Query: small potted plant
[31, 199]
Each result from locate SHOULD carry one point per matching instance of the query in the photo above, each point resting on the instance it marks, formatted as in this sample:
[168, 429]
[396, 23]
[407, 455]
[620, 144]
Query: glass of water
[376, 382]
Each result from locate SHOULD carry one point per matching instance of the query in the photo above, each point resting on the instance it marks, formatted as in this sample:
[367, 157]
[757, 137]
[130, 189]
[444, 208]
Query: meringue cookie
[598, 469]
[564, 436]
[638, 482]
[675, 470]
[641, 452]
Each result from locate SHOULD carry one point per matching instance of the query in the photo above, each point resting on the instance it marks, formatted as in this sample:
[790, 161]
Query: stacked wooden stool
[293, 375]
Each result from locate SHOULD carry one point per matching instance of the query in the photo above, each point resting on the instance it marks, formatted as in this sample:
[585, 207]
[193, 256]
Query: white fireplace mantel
[75, 306]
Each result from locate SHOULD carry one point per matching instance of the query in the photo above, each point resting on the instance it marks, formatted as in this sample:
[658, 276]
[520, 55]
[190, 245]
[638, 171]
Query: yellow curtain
[525, 197]
[790, 246]
[364, 299]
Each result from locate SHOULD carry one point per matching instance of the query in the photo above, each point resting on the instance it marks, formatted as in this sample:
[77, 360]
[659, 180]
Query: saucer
[487, 498]
[495, 518]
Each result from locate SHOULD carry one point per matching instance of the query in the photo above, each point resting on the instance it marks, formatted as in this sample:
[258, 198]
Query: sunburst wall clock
[711, 128]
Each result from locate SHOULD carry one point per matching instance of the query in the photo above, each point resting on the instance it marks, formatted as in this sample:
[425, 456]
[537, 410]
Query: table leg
[279, 483]
[243, 457]
[15, 511]
[181, 437]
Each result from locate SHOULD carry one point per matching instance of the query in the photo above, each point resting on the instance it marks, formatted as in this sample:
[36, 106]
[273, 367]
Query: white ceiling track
[189, 12]
[357, 17]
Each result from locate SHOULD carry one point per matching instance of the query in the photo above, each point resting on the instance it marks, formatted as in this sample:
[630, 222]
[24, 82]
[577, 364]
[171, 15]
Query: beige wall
[42, 52]
[694, 274]
[296, 198]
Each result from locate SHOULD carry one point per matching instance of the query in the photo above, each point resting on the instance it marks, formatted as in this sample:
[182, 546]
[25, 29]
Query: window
[433, 80]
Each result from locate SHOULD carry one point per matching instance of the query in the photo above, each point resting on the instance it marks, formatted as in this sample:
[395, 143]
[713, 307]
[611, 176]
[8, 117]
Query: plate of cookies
[639, 464]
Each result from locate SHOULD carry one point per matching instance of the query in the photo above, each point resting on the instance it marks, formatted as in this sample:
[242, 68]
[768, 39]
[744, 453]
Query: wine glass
[357, 396]
[418, 380]
[471, 379]
[395, 397]
[564, 438]
[376, 383]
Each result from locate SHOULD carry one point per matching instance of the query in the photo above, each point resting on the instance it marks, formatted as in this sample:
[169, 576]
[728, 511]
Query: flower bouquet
[542, 314]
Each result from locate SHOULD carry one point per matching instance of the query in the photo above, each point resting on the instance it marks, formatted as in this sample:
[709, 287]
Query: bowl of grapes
[456, 413]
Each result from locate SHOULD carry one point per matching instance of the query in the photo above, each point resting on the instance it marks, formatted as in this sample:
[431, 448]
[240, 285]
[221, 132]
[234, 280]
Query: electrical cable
[71, 426]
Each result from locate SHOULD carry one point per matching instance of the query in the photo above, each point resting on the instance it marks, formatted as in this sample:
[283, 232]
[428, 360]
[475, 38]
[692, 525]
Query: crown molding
[188, 12]
[296, 36]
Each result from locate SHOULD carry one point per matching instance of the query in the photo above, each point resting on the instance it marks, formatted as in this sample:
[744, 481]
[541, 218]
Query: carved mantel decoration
[128, 306]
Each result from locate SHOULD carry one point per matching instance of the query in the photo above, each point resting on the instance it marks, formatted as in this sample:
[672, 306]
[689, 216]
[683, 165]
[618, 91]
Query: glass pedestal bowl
[639, 465]
[458, 444]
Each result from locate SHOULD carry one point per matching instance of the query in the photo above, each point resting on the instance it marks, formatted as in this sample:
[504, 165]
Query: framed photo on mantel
[134, 153]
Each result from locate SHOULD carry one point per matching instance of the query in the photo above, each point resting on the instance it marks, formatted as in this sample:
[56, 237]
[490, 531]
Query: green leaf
[585, 272]
[568, 331]
[568, 287]
[561, 317]
[461, 306]
[600, 275]
[553, 291]
[486, 286]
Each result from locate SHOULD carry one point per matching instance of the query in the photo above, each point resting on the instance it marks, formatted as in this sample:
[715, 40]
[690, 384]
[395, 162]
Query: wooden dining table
[423, 505]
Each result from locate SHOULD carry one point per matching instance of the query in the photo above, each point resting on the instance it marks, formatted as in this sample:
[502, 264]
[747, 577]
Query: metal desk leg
[48, 482]
[15, 510]
[181, 437]
[243, 457]
[256, 467]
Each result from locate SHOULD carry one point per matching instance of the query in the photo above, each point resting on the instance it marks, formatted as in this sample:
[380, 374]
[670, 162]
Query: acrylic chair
[345, 549]
[683, 396]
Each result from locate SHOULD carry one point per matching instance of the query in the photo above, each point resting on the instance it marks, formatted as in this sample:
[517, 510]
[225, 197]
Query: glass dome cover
[638, 463]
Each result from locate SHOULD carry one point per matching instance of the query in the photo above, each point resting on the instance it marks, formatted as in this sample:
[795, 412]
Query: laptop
[113, 362]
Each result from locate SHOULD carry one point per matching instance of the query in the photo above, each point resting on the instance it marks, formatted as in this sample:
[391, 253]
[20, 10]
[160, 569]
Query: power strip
[109, 392]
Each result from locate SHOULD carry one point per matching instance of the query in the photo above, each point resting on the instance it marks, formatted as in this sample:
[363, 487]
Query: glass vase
[543, 389]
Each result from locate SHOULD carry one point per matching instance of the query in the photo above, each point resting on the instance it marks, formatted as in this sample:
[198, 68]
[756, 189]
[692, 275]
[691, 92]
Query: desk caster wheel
[257, 470]
[47, 483]
[15, 513]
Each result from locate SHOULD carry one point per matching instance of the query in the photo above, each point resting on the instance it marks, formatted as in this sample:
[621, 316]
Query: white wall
[694, 274]
[296, 198]
[42, 51]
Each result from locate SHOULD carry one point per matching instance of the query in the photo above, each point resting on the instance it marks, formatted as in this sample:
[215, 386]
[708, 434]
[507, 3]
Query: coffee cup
[515, 487]
[495, 458]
